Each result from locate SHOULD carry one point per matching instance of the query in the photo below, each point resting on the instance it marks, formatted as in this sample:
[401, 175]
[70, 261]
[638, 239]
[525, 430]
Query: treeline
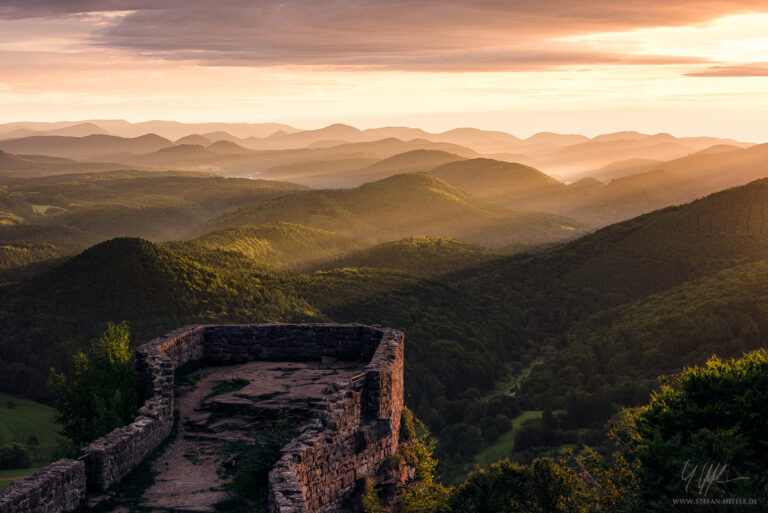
[613, 360]
[698, 441]
[605, 315]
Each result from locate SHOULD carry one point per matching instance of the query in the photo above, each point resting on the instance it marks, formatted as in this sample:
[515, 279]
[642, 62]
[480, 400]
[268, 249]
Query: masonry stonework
[356, 427]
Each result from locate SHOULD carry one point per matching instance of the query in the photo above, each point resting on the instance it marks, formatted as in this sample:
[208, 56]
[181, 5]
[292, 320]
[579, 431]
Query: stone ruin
[352, 431]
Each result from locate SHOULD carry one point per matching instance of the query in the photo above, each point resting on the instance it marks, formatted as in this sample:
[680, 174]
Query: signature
[708, 474]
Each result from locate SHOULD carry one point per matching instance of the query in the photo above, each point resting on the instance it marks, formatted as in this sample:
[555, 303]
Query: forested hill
[613, 359]
[630, 260]
[79, 210]
[475, 320]
[419, 256]
[48, 318]
[405, 205]
[612, 311]
[285, 245]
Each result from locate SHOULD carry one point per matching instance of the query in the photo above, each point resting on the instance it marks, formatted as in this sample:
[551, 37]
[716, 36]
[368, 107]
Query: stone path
[212, 414]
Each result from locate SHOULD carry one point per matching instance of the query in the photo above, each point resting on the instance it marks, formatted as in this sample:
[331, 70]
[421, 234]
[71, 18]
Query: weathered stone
[316, 470]
[58, 487]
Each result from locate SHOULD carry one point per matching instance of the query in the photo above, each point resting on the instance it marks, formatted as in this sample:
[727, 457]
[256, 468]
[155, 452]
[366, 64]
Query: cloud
[20, 9]
[746, 70]
[427, 35]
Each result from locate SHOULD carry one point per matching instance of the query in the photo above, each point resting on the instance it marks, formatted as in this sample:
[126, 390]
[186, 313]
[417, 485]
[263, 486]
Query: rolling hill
[180, 156]
[306, 138]
[23, 253]
[660, 289]
[588, 157]
[641, 185]
[77, 130]
[196, 139]
[589, 201]
[305, 171]
[285, 245]
[628, 261]
[402, 206]
[504, 183]
[340, 173]
[622, 168]
[723, 167]
[231, 157]
[40, 165]
[418, 256]
[86, 208]
[153, 288]
[614, 358]
[174, 129]
[627, 197]
[228, 148]
[89, 147]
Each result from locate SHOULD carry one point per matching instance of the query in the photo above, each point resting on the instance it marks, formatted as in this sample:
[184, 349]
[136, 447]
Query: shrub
[102, 393]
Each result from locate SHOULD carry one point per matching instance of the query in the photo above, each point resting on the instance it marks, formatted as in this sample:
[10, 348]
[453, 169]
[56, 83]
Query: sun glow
[732, 39]
[715, 82]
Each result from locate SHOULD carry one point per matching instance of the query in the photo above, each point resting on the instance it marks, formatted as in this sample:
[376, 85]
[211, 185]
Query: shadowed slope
[153, 288]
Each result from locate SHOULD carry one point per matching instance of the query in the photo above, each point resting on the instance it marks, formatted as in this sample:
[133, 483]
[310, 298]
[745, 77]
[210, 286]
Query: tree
[506, 487]
[102, 392]
[13, 456]
[703, 436]
[426, 494]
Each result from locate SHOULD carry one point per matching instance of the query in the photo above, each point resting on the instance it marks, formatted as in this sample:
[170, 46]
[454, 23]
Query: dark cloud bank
[428, 35]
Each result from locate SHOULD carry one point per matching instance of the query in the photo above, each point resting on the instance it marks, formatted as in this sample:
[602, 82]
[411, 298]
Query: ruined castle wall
[114, 455]
[239, 343]
[317, 469]
[355, 431]
[58, 487]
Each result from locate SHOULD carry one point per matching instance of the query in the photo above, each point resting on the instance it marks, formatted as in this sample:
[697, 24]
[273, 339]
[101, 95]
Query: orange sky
[592, 66]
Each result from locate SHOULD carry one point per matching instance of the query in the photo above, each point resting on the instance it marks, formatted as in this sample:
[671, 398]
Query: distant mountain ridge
[90, 146]
[39, 165]
[565, 155]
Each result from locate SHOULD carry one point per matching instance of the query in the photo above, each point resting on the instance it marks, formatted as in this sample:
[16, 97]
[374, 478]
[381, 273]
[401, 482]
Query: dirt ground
[213, 414]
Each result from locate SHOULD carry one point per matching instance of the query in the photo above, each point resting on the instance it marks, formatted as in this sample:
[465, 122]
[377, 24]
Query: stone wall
[355, 430]
[114, 455]
[58, 487]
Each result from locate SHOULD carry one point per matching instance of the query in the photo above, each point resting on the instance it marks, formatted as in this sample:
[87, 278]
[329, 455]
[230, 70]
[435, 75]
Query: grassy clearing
[42, 209]
[503, 446]
[510, 384]
[9, 476]
[21, 418]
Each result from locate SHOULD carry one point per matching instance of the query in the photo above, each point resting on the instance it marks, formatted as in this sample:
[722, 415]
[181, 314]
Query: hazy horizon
[589, 68]
[437, 129]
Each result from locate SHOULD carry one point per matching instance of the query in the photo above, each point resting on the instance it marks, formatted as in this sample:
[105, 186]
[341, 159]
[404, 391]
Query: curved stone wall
[356, 428]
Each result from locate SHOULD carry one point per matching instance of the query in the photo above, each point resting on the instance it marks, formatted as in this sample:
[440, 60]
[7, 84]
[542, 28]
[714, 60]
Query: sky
[522, 66]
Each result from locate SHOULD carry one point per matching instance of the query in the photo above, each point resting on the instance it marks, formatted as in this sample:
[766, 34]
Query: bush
[13, 456]
[507, 487]
[712, 417]
[102, 393]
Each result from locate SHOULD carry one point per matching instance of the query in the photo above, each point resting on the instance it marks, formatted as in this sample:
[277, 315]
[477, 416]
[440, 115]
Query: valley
[536, 309]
